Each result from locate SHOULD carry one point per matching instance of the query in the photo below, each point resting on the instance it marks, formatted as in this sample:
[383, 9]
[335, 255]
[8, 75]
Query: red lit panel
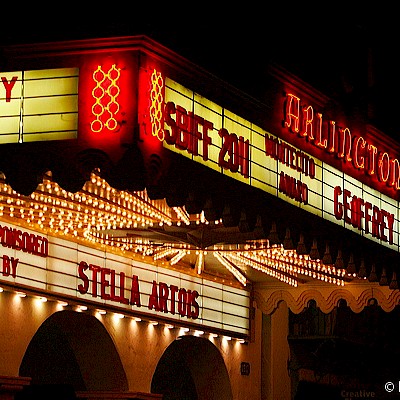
[105, 94]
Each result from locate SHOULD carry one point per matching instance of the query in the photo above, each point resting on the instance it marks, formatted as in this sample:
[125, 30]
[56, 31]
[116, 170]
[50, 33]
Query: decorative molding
[357, 295]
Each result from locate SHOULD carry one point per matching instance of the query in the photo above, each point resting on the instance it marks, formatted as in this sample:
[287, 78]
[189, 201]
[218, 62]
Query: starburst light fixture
[284, 265]
[135, 224]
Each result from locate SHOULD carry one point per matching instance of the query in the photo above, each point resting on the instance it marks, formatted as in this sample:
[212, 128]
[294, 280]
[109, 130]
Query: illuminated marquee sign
[209, 134]
[61, 267]
[341, 142]
[38, 105]
[353, 150]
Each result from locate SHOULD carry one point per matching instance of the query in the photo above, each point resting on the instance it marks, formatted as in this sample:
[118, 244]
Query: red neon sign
[354, 151]
[156, 106]
[105, 93]
[108, 91]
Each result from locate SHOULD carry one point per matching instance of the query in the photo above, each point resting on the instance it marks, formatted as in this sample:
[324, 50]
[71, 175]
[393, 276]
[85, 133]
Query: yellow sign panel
[38, 105]
[275, 166]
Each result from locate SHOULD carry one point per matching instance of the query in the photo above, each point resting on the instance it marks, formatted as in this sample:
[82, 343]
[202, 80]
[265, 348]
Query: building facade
[165, 235]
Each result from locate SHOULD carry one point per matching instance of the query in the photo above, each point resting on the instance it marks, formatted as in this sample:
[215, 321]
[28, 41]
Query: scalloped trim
[357, 297]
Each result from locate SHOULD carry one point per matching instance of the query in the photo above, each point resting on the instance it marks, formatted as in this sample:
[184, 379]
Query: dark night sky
[325, 46]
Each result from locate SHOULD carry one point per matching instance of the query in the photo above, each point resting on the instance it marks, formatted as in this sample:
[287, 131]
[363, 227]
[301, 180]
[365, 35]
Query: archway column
[10, 385]
[275, 353]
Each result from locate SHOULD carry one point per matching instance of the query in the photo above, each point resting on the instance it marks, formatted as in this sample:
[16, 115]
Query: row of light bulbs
[100, 311]
[284, 265]
[98, 207]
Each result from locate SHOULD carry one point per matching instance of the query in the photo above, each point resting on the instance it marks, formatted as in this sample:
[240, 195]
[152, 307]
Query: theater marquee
[312, 163]
[80, 273]
[212, 135]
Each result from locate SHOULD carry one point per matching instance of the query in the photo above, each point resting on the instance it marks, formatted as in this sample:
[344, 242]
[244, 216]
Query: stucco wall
[139, 344]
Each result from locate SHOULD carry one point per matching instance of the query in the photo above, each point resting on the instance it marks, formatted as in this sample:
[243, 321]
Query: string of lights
[104, 216]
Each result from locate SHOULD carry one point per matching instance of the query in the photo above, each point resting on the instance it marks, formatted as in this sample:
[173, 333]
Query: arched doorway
[71, 352]
[192, 368]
